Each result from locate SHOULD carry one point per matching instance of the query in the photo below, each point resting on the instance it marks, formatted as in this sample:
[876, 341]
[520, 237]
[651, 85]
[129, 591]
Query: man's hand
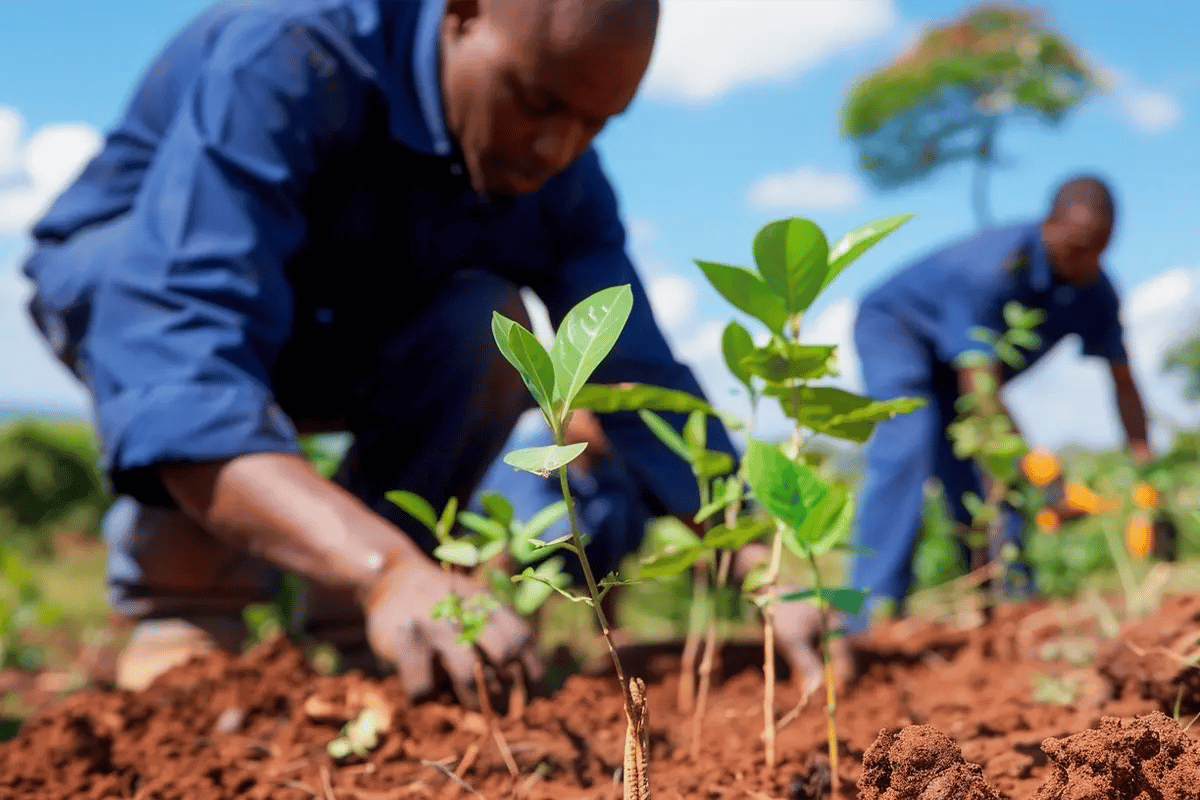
[278, 507]
[402, 631]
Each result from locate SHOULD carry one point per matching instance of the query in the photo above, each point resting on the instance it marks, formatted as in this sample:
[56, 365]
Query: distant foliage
[49, 479]
[945, 100]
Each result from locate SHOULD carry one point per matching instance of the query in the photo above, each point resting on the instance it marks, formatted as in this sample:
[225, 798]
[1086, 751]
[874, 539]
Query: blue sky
[741, 90]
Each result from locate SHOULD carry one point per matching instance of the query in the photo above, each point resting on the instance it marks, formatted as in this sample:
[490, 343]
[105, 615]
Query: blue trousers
[902, 454]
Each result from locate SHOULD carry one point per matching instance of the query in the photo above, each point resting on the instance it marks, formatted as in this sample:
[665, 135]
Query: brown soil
[1022, 709]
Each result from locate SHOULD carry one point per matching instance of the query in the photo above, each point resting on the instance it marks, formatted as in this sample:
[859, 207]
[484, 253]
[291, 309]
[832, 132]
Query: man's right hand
[278, 507]
[402, 630]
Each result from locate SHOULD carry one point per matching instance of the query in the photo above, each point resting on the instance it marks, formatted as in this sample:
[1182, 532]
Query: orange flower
[1080, 497]
[1040, 466]
[1145, 496]
[1139, 536]
[1047, 520]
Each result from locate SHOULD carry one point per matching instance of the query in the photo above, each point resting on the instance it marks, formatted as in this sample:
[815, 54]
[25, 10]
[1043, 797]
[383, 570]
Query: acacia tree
[945, 100]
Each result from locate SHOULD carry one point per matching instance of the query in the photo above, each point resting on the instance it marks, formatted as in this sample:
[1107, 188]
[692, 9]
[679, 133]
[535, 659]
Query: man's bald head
[529, 83]
[1078, 228]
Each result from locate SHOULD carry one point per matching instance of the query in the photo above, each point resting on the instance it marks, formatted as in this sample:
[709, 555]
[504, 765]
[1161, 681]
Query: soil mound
[1156, 658]
[920, 763]
[1149, 758]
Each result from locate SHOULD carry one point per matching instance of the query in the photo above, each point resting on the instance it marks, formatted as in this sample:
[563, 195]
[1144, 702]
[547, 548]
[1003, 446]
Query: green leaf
[858, 241]
[736, 344]
[464, 554]
[748, 293]
[789, 491]
[793, 257]
[836, 412]
[543, 519]
[695, 432]
[544, 460]
[522, 349]
[781, 360]
[497, 505]
[416, 507]
[529, 574]
[666, 434]
[548, 576]
[605, 399]
[710, 509]
[713, 463]
[1026, 339]
[489, 529]
[819, 520]
[1009, 354]
[847, 600]
[744, 531]
[1014, 314]
[837, 531]
[670, 561]
[446, 523]
[586, 335]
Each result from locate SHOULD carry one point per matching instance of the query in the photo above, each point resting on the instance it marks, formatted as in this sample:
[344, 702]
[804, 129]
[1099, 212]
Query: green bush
[49, 480]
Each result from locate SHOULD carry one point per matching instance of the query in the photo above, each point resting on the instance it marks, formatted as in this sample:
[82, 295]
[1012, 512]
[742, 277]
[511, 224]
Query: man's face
[1076, 239]
[524, 99]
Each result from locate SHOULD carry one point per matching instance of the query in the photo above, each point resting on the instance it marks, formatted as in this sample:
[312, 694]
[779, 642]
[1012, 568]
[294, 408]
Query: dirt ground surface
[1031, 706]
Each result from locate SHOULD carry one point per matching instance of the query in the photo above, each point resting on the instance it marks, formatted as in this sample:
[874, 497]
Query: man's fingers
[459, 662]
[414, 665]
[505, 637]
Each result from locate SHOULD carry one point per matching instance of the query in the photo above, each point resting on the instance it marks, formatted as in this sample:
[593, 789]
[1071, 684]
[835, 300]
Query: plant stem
[768, 613]
[830, 689]
[593, 589]
[687, 666]
[710, 646]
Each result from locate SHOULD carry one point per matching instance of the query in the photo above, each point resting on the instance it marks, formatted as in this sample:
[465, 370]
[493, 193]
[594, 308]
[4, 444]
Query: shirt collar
[1041, 274]
[426, 72]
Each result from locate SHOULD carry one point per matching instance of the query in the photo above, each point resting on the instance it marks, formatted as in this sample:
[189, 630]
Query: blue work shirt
[942, 298]
[285, 167]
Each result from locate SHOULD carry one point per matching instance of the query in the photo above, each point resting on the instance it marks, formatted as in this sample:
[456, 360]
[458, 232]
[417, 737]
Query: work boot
[159, 645]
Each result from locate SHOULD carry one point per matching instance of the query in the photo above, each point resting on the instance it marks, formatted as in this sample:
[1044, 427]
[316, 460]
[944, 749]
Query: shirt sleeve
[965, 310]
[592, 257]
[1106, 338]
[190, 316]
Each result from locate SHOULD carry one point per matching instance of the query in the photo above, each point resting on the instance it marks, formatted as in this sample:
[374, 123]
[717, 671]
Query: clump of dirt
[1149, 758]
[1158, 658]
[920, 763]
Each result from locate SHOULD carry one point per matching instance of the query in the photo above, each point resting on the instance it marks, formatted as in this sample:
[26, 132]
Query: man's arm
[1132, 412]
[185, 333]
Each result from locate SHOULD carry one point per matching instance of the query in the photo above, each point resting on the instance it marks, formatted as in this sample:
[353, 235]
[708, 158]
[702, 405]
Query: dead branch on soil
[468, 760]
[442, 768]
[636, 776]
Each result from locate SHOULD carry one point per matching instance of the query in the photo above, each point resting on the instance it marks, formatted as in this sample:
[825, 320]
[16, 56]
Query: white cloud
[806, 188]
[673, 298]
[33, 172]
[708, 48]
[1151, 111]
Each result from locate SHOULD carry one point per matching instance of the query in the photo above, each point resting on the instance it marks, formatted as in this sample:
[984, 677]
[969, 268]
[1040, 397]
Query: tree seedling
[984, 432]
[810, 516]
[587, 334]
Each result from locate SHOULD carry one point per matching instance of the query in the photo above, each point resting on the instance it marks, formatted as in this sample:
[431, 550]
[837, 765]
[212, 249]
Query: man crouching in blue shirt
[304, 222]
[913, 334]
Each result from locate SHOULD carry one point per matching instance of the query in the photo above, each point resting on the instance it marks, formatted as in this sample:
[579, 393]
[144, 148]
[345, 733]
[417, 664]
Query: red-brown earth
[1033, 705]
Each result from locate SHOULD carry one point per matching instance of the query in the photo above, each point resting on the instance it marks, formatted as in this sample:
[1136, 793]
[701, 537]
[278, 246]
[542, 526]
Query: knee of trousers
[160, 563]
